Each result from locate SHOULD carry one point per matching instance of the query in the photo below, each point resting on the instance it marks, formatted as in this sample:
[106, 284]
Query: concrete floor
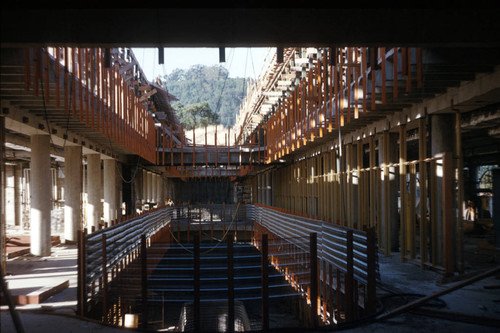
[480, 299]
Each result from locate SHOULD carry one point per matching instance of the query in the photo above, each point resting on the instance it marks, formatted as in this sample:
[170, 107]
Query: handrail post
[104, 278]
[371, 288]
[265, 283]
[348, 279]
[82, 290]
[196, 281]
[230, 285]
[313, 257]
[144, 282]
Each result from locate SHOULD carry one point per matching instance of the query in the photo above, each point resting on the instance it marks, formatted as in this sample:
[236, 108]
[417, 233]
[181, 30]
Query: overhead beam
[213, 27]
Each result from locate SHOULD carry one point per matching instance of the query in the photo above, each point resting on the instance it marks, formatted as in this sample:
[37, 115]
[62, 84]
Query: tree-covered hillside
[210, 84]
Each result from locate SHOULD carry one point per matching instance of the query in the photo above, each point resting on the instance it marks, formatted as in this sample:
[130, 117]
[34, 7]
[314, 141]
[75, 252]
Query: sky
[240, 62]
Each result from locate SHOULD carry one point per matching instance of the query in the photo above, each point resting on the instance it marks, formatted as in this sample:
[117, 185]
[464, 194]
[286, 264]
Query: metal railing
[105, 253]
[322, 273]
[351, 253]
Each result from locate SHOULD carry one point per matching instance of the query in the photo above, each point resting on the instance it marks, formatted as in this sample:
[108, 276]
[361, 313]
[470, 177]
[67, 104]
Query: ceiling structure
[257, 24]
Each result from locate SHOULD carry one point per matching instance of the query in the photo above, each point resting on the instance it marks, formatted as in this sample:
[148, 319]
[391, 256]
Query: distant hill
[210, 84]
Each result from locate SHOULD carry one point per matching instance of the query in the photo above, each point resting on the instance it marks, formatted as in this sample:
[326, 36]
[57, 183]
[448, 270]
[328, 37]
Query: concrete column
[10, 195]
[2, 190]
[160, 193]
[18, 175]
[144, 194]
[154, 183]
[268, 189]
[259, 188]
[40, 195]
[120, 198]
[149, 186]
[110, 192]
[352, 188]
[442, 141]
[94, 190]
[391, 217]
[73, 171]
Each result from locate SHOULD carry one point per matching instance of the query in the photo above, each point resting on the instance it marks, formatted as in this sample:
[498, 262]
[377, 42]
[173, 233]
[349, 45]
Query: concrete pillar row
[73, 171]
[110, 191]
[94, 190]
[40, 195]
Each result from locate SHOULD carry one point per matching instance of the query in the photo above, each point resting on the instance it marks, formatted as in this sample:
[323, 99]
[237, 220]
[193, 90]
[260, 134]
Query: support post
[73, 169]
[144, 282]
[82, 290]
[104, 278]
[40, 195]
[94, 186]
[371, 286]
[196, 281]
[230, 285]
[265, 283]
[313, 253]
[110, 202]
[496, 205]
[348, 279]
[448, 229]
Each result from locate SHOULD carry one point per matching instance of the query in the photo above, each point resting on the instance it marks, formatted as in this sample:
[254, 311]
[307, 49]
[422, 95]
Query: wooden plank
[356, 76]
[422, 150]
[56, 76]
[408, 76]
[40, 295]
[395, 74]
[419, 67]
[460, 191]
[348, 84]
[383, 70]
[27, 69]
[434, 215]
[412, 225]
[403, 193]
[448, 211]
[359, 165]
[373, 60]
[386, 199]
[147, 95]
[46, 70]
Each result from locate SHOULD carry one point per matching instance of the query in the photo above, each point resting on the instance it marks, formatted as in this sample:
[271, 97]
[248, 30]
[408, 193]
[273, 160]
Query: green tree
[210, 84]
[197, 115]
